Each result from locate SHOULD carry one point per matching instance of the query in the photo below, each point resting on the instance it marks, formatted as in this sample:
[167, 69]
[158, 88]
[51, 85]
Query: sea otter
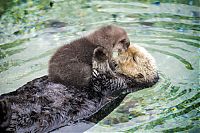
[72, 63]
[42, 106]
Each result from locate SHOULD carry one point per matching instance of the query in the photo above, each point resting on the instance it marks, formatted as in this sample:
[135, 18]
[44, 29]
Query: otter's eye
[134, 59]
[140, 75]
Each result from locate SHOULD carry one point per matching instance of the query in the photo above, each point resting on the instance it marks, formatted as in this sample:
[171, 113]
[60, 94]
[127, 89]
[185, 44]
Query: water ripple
[187, 64]
[30, 31]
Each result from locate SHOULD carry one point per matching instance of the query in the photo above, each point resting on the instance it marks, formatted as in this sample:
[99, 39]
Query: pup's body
[72, 63]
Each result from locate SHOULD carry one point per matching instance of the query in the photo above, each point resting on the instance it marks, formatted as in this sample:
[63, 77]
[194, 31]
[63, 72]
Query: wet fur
[72, 63]
[43, 106]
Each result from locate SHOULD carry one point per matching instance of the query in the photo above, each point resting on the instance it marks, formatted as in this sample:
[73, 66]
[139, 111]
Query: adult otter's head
[111, 37]
[139, 65]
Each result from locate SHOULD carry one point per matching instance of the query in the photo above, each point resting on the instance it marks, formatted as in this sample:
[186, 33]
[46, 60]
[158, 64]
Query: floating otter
[43, 106]
[72, 63]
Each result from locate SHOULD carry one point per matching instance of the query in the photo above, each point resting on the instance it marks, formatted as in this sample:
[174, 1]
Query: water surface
[31, 30]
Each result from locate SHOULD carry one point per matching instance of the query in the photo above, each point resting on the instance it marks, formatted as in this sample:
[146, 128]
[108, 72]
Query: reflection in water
[31, 31]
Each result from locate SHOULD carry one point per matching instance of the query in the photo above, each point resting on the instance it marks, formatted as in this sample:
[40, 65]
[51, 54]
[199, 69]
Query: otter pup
[72, 63]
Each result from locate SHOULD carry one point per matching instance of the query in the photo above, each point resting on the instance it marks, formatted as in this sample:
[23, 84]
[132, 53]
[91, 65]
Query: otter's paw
[96, 80]
[113, 64]
[118, 83]
[95, 73]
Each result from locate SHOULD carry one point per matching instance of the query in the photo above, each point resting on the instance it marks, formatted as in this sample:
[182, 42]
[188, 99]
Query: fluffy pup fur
[72, 63]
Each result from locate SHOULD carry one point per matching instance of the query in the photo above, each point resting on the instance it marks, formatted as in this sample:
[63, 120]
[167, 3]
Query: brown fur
[72, 63]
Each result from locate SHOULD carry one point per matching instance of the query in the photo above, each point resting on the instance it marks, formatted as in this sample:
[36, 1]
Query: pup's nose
[127, 44]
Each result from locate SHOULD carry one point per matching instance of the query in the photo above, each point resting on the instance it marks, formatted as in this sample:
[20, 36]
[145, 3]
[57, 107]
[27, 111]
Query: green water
[31, 30]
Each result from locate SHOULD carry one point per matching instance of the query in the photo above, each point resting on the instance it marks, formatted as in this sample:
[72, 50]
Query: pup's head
[138, 64]
[120, 40]
[111, 37]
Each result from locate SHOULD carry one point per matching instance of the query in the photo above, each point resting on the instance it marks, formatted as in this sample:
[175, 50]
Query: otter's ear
[100, 54]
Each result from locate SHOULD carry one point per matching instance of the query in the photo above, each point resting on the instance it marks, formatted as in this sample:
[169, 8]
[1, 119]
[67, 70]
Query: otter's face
[137, 63]
[127, 63]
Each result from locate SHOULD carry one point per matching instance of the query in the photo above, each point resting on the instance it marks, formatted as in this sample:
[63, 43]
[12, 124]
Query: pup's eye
[123, 41]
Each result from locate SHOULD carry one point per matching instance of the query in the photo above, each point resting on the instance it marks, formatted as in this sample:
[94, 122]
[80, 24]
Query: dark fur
[42, 106]
[72, 63]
